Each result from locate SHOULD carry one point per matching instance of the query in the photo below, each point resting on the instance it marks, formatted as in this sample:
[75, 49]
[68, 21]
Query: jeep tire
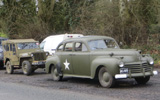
[26, 67]
[142, 80]
[55, 75]
[9, 68]
[105, 78]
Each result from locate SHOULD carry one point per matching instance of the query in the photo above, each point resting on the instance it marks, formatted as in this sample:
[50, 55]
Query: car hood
[28, 53]
[127, 55]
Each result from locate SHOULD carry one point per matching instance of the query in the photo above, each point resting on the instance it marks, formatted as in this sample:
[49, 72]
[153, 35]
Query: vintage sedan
[99, 57]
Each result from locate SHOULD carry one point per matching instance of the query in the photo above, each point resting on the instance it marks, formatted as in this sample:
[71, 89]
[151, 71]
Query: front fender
[110, 63]
[53, 60]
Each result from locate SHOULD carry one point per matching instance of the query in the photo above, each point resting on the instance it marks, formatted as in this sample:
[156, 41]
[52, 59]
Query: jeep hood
[29, 52]
[127, 55]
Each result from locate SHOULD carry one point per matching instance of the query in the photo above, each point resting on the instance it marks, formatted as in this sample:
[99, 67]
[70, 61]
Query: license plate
[123, 70]
[38, 63]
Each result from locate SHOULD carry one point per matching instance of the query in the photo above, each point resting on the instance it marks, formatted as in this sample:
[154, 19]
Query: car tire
[26, 67]
[55, 75]
[105, 78]
[142, 80]
[9, 68]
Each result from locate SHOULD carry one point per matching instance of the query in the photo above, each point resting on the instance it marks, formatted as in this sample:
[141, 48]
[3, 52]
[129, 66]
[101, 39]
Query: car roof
[64, 36]
[87, 38]
[19, 41]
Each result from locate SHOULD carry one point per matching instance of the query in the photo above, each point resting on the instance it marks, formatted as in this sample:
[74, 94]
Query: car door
[10, 53]
[13, 55]
[66, 58]
[80, 59]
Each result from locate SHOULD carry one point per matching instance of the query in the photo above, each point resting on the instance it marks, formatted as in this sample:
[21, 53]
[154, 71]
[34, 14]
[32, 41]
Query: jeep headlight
[31, 55]
[121, 64]
[151, 62]
[47, 53]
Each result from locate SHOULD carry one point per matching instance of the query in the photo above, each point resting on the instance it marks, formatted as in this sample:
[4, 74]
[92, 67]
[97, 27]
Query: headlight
[47, 54]
[31, 55]
[121, 64]
[151, 62]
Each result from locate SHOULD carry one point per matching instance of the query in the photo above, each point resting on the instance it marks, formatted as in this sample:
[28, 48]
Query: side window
[14, 49]
[68, 47]
[60, 47]
[6, 47]
[80, 47]
[11, 47]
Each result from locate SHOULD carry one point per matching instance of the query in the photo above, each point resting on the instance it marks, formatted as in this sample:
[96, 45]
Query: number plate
[123, 70]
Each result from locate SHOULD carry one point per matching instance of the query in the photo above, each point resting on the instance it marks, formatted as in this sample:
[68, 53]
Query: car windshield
[32, 45]
[102, 44]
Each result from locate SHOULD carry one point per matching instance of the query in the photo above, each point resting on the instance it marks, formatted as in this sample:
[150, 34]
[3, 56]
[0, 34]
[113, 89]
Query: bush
[3, 35]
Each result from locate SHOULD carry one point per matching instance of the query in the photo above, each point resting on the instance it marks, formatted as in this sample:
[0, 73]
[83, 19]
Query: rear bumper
[122, 76]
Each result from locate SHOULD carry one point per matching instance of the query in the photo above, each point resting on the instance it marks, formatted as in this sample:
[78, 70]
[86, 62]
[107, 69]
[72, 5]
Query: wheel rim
[55, 73]
[25, 68]
[105, 78]
[8, 67]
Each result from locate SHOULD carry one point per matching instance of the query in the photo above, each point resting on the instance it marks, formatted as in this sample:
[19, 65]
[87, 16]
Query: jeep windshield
[32, 45]
[102, 44]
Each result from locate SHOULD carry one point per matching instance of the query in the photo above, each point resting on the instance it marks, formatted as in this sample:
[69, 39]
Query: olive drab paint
[99, 57]
[23, 53]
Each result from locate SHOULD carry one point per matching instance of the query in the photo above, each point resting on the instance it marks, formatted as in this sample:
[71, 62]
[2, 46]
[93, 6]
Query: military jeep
[23, 53]
[99, 57]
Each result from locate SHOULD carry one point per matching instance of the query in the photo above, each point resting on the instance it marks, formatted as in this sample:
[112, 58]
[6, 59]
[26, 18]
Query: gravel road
[124, 89]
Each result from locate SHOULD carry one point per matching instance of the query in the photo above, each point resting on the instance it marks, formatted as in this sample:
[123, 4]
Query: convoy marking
[66, 65]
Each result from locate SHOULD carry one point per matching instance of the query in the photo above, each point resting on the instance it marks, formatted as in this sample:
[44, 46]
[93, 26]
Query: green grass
[3, 35]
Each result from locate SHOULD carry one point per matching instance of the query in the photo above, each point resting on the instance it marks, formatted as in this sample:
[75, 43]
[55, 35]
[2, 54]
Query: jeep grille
[39, 56]
[138, 68]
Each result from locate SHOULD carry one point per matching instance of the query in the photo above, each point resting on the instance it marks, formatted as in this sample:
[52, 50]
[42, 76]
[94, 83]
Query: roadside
[124, 90]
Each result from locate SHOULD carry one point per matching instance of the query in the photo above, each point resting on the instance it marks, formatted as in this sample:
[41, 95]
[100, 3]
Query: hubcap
[8, 67]
[55, 72]
[105, 77]
[25, 68]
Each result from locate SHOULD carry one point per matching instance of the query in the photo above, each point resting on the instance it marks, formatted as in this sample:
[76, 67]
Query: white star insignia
[66, 65]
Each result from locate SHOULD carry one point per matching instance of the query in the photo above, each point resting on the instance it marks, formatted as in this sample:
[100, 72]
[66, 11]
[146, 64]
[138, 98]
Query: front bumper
[122, 76]
[38, 63]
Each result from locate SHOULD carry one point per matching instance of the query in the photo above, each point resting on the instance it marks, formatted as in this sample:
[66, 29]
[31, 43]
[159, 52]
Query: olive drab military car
[99, 57]
[23, 53]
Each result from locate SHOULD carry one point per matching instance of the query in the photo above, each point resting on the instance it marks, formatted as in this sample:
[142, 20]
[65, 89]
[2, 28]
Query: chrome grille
[138, 68]
[39, 56]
